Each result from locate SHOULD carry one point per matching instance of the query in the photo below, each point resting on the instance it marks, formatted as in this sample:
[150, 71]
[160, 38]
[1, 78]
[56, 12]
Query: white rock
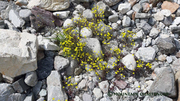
[43, 92]
[169, 59]
[25, 13]
[146, 54]
[15, 19]
[86, 32]
[46, 44]
[139, 35]
[52, 5]
[88, 14]
[61, 14]
[80, 8]
[97, 92]
[82, 84]
[154, 32]
[92, 46]
[77, 98]
[18, 54]
[129, 62]
[159, 16]
[68, 23]
[60, 63]
[166, 12]
[104, 86]
[176, 21]
[54, 87]
[126, 21]
[124, 7]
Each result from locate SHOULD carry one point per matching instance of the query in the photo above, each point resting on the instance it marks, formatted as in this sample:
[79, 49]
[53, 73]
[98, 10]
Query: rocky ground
[32, 67]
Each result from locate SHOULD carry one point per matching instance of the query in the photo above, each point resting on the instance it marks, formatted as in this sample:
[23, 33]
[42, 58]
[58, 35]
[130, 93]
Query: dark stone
[110, 75]
[168, 21]
[45, 17]
[166, 45]
[45, 65]
[145, 26]
[151, 21]
[20, 86]
[164, 83]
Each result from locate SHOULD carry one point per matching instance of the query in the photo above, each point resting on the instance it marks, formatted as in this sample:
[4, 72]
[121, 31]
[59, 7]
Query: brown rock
[132, 2]
[170, 6]
[120, 84]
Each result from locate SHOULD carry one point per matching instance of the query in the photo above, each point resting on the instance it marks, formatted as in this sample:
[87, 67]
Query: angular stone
[169, 87]
[54, 87]
[20, 86]
[86, 97]
[71, 68]
[60, 63]
[168, 21]
[154, 32]
[15, 18]
[5, 91]
[129, 62]
[146, 54]
[43, 16]
[46, 44]
[159, 16]
[126, 21]
[124, 8]
[120, 84]
[25, 14]
[97, 92]
[45, 66]
[82, 84]
[18, 53]
[145, 26]
[29, 97]
[170, 6]
[104, 86]
[92, 46]
[52, 5]
[166, 45]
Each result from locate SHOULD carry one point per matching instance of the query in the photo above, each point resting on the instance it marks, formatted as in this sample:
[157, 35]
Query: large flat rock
[18, 52]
